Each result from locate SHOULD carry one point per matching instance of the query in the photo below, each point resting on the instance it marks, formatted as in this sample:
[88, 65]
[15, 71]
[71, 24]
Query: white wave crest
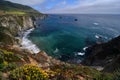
[27, 44]
[96, 24]
[85, 48]
[98, 36]
[56, 50]
[80, 53]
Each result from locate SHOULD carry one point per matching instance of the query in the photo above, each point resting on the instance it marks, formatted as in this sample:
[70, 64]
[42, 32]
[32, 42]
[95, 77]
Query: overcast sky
[74, 6]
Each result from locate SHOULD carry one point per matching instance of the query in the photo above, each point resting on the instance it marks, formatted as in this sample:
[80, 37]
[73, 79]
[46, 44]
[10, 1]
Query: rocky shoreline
[27, 44]
[18, 32]
[105, 55]
[20, 63]
[13, 29]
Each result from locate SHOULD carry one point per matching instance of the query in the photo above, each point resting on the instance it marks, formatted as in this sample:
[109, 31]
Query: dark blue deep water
[62, 36]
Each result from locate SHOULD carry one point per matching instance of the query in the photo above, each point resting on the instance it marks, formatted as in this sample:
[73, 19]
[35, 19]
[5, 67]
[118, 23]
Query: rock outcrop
[12, 56]
[106, 55]
[11, 31]
[12, 26]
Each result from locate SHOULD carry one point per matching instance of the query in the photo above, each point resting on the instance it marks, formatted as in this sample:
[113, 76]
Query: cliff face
[12, 26]
[106, 55]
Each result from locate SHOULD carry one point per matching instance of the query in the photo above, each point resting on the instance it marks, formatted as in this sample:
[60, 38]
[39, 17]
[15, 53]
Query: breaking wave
[27, 44]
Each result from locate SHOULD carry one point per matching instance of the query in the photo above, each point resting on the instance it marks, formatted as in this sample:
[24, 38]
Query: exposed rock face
[27, 22]
[42, 56]
[12, 25]
[106, 55]
[46, 61]
[41, 59]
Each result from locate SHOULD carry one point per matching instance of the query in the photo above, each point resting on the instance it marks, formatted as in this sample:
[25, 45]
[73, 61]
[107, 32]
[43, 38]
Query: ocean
[66, 36]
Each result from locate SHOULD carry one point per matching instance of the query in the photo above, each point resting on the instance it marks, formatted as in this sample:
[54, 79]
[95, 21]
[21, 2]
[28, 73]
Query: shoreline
[28, 44]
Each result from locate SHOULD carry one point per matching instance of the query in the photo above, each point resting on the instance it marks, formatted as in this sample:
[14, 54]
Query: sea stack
[76, 19]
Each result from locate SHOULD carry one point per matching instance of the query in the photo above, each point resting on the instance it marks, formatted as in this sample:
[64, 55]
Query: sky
[73, 6]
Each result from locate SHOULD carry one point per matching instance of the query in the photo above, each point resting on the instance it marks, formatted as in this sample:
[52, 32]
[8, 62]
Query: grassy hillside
[7, 7]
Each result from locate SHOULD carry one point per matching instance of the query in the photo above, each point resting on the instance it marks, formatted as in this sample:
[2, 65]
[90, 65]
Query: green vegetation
[7, 7]
[73, 72]
[56, 72]
[28, 72]
[0, 75]
[16, 12]
[7, 60]
[116, 75]
[5, 37]
[104, 76]
[109, 76]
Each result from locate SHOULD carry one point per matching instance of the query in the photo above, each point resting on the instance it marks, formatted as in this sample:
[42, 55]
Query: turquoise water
[63, 37]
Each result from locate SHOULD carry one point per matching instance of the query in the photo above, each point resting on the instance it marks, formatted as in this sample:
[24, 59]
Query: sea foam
[85, 48]
[81, 54]
[56, 50]
[27, 44]
[96, 24]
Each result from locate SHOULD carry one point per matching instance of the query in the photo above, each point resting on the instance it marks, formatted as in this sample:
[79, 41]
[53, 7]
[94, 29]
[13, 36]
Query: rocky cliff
[106, 55]
[11, 30]
[14, 19]
[18, 63]
[12, 26]
[13, 57]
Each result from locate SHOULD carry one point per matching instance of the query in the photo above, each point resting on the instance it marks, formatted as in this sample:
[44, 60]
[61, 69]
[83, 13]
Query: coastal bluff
[18, 63]
[14, 58]
[106, 55]
[13, 26]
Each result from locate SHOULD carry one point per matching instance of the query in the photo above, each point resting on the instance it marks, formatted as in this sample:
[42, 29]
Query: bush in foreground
[7, 60]
[28, 72]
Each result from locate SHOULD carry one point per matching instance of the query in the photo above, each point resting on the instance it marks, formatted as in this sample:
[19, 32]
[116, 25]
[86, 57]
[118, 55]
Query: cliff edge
[17, 63]
[106, 55]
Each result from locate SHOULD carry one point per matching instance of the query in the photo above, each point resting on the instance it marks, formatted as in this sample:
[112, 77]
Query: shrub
[8, 56]
[0, 75]
[7, 60]
[28, 72]
[104, 76]
[116, 75]
[73, 72]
